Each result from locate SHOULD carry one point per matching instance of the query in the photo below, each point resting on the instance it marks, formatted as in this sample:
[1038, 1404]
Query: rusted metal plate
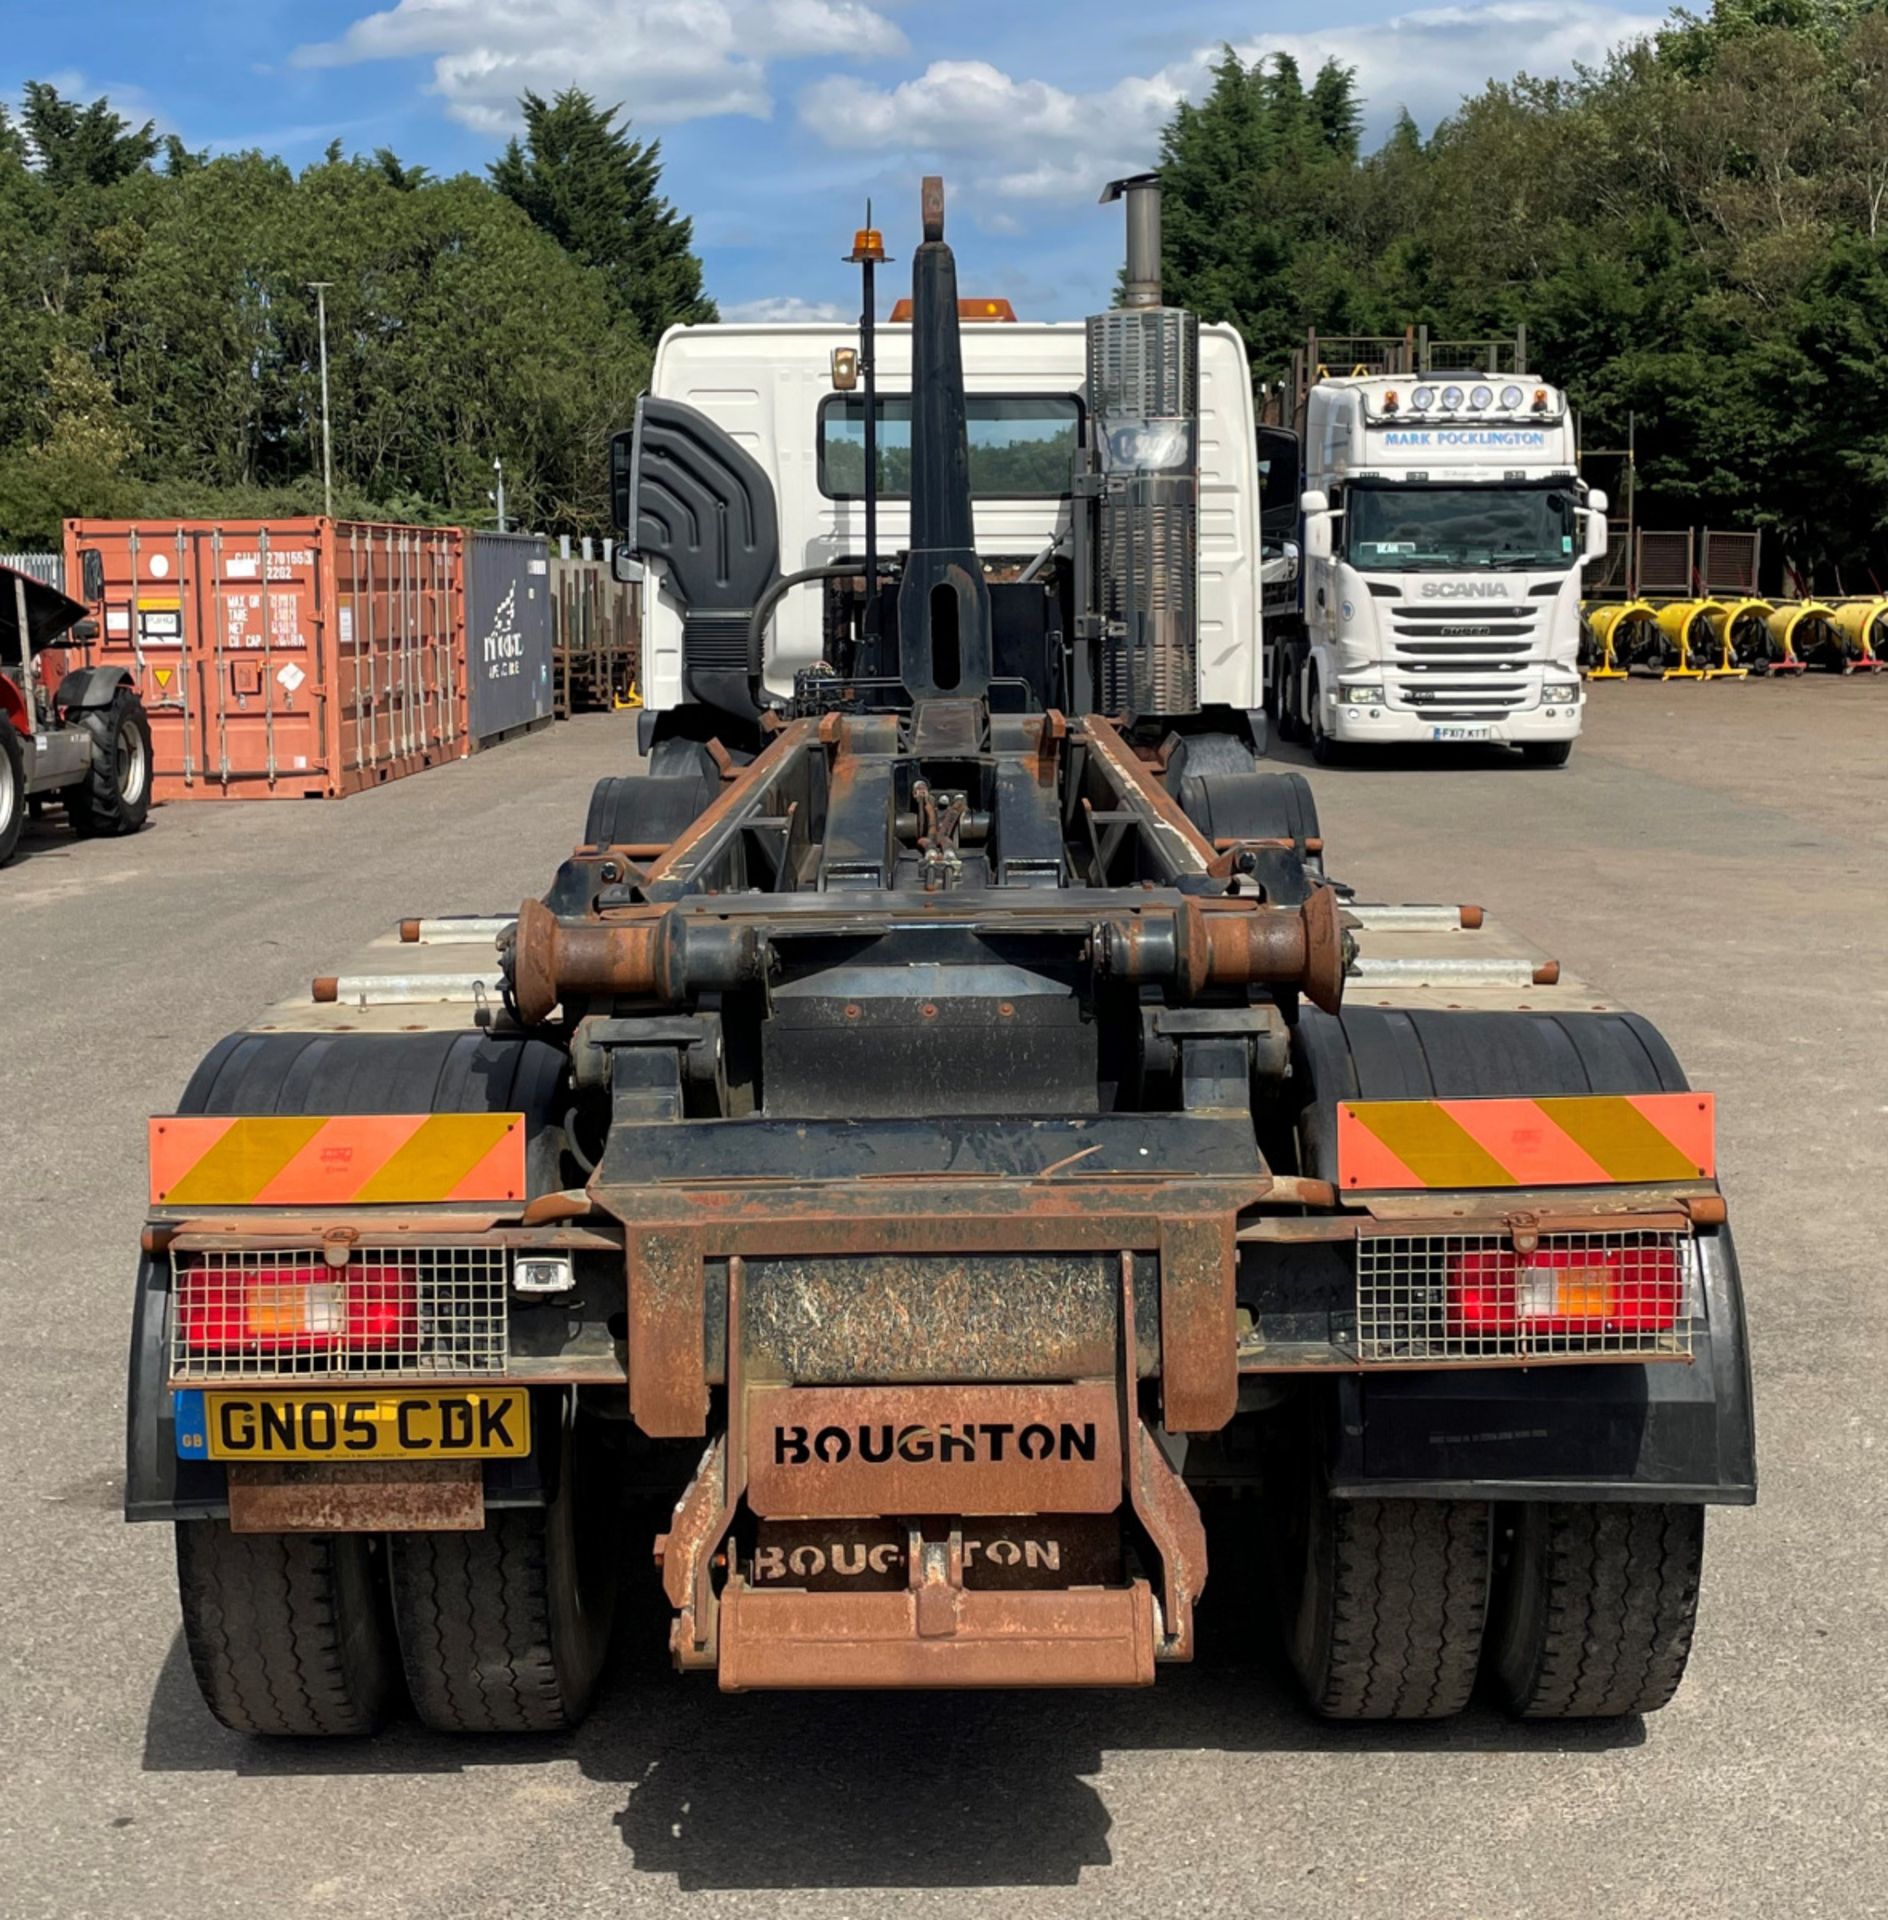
[999, 1553]
[910, 1318]
[418, 1496]
[668, 1379]
[1087, 1637]
[1199, 1331]
[861, 1451]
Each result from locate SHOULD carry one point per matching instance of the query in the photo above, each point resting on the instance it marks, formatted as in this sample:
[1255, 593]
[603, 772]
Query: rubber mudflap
[1394, 1053]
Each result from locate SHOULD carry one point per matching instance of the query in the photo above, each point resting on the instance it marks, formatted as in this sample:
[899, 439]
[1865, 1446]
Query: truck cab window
[1430, 528]
[1021, 445]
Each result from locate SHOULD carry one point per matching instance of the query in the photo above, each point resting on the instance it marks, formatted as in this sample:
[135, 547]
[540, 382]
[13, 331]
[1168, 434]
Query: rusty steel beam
[1070, 1637]
[391, 1496]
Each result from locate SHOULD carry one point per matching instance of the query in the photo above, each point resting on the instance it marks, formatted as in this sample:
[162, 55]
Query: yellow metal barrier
[1612, 625]
[1863, 625]
[1793, 625]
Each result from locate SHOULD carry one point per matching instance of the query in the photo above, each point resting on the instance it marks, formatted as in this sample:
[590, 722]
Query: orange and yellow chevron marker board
[333, 1160]
[1581, 1141]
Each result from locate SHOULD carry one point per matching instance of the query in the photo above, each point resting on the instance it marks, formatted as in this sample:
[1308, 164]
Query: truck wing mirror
[1596, 501]
[1595, 548]
[91, 574]
[1316, 507]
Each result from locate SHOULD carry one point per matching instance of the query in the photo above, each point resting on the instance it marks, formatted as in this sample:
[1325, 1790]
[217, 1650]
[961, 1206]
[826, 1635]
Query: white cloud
[1040, 141]
[1428, 60]
[777, 308]
[666, 60]
[1029, 140]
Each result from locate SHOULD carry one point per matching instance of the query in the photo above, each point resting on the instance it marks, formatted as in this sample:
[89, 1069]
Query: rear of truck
[937, 1135]
[933, 1267]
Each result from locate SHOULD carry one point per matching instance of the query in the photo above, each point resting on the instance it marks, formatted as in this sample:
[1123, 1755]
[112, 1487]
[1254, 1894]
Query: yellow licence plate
[367, 1426]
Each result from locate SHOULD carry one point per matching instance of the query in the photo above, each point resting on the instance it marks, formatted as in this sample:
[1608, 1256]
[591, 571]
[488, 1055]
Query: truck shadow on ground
[1281, 758]
[871, 1790]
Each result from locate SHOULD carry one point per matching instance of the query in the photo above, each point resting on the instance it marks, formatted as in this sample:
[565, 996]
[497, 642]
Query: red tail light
[1566, 1290]
[298, 1308]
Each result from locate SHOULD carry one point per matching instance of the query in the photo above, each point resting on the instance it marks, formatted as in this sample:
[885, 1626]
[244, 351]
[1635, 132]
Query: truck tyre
[1324, 750]
[1383, 1601]
[1291, 719]
[115, 795]
[12, 789]
[504, 1630]
[1547, 753]
[287, 1632]
[1596, 1605]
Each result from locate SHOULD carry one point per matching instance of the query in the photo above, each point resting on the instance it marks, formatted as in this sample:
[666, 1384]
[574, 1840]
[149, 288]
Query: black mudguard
[90, 688]
[1668, 1431]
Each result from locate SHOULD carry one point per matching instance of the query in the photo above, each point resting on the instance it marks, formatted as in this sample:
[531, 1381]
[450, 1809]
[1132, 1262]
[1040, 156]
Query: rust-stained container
[285, 658]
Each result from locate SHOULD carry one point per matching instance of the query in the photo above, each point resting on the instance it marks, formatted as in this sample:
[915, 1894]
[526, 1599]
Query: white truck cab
[1445, 530]
[770, 388]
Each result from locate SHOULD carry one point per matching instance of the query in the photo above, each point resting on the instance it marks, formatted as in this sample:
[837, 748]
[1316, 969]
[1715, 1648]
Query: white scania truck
[1443, 533]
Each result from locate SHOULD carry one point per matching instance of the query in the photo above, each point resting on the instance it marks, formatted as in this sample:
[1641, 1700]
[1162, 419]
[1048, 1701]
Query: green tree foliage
[159, 349]
[1695, 235]
[594, 190]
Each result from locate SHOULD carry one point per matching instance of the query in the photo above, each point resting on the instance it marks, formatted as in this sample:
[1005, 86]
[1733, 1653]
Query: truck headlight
[1560, 693]
[1365, 693]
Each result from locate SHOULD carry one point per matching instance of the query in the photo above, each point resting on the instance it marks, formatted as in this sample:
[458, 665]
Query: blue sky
[778, 117]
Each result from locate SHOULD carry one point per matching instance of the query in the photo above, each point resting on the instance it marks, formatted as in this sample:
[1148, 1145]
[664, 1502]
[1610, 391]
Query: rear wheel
[12, 789]
[287, 1633]
[1596, 1608]
[504, 1630]
[115, 795]
[1383, 1601]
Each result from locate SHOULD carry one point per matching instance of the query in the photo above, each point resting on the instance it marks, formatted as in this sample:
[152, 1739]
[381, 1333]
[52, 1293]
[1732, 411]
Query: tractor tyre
[115, 795]
[1595, 1607]
[287, 1632]
[12, 789]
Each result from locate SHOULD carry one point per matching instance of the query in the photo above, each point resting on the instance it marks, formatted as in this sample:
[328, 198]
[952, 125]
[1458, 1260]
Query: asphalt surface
[1716, 856]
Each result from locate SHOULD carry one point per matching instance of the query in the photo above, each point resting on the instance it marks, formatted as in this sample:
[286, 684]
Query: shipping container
[596, 636]
[508, 633]
[285, 658]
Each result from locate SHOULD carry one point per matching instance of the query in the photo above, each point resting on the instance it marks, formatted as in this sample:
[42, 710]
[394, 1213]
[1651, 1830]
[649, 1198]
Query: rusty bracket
[1160, 1500]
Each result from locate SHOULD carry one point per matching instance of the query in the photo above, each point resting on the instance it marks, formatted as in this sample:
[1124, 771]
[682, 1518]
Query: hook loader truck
[938, 1131]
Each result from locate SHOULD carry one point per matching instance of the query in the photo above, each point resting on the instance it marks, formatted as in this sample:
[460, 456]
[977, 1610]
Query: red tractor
[84, 738]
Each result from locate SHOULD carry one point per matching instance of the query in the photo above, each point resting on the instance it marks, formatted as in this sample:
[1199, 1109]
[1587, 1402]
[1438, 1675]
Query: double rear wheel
[502, 1630]
[1392, 1609]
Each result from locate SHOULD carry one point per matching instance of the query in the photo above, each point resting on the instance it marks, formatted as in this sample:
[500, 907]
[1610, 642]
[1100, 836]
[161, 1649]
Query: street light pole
[319, 288]
[498, 468]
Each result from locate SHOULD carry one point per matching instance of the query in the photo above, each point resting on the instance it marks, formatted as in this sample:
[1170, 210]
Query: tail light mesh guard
[1619, 1293]
[406, 1310]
